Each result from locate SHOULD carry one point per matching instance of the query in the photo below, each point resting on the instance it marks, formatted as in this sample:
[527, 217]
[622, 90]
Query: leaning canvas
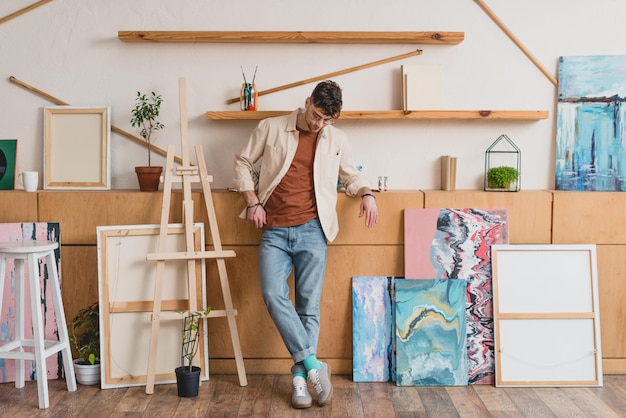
[373, 356]
[591, 124]
[455, 244]
[430, 332]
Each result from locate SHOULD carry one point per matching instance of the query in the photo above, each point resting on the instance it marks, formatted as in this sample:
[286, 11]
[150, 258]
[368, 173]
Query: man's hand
[369, 209]
[255, 212]
[255, 215]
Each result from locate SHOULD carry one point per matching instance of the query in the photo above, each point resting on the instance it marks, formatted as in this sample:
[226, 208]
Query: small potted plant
[84, 332]
[145, 119]
[188, 375]
[502, 178]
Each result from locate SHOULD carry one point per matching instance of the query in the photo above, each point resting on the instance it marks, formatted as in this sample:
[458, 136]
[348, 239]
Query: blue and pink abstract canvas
[430, 333]
[373, 356]
[455, 244]
[591, 123]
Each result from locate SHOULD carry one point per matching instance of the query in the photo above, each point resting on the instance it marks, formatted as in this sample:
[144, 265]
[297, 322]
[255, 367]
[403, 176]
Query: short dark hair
[327, 97]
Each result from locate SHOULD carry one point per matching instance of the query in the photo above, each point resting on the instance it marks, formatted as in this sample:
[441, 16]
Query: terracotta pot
[149, 178]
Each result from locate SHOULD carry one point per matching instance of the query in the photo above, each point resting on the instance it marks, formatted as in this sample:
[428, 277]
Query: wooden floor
[269, 396]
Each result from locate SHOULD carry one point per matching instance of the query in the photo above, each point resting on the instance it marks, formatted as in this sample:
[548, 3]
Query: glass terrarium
[502, 166]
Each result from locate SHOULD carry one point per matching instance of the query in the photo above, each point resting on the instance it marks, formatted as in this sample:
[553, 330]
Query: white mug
[30, 180]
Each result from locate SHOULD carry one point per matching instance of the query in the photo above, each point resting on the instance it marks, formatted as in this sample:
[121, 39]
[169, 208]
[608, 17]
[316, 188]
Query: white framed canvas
[546, 315]
[126, 292]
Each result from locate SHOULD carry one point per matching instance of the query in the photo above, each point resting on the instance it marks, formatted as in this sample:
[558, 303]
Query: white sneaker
[300, 398]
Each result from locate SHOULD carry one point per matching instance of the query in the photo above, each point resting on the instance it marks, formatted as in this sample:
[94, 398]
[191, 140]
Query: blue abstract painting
[373, 357]
[591, 124]
[430, 333]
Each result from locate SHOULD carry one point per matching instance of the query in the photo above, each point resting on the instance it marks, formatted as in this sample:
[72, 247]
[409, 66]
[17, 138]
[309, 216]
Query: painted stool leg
[59, 313]
[38, 331]
[3, 271]
[19, 319]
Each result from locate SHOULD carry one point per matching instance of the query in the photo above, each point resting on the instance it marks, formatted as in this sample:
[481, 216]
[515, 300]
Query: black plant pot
[187, 381]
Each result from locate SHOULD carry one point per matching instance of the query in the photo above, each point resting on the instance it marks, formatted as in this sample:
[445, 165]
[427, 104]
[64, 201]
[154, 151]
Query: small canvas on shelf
[421, 87]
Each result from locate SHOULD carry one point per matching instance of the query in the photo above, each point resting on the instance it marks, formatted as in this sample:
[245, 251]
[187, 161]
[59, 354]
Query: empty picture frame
[546, 315]
[126, 289]
[77, 148]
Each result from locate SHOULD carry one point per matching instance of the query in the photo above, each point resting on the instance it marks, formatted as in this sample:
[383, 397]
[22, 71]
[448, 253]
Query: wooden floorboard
[270, 396]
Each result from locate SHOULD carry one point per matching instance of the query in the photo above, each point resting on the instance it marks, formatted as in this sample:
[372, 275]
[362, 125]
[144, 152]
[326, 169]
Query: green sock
[302, 375]
[311, 362]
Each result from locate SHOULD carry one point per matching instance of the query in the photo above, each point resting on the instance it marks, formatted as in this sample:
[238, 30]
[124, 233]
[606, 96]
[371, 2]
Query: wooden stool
[32, 251]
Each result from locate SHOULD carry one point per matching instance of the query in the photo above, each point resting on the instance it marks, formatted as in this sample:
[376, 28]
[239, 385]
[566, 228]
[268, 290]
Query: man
[301, 155]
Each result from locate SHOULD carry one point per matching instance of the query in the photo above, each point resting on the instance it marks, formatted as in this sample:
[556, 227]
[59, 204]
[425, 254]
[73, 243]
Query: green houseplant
[501, 177]
[145, 119]
[84, 331]
[188, 375]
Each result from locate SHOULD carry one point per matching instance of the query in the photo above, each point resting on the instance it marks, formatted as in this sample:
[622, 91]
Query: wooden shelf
[300, 37]
[394, 114]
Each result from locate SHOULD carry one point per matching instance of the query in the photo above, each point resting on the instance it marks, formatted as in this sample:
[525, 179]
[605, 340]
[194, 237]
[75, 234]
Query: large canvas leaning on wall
[127, 289]
[591, 123]
[546, 315]
[455, 244]
[16, 232]
[430, 333]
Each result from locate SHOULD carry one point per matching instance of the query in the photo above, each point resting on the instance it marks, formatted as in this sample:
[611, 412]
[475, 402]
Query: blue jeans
[303, 249]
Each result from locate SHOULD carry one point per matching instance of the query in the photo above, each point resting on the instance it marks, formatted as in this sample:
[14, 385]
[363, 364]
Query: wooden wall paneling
[233, 230]
[612, 288]
[79, 277]
[529, 212]
[18, 206]
[81, 212]
[262, 348]
[390, 227]
[589, 217]
[352, 230]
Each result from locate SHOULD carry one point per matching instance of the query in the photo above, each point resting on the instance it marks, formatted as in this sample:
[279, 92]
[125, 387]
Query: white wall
[70, 50]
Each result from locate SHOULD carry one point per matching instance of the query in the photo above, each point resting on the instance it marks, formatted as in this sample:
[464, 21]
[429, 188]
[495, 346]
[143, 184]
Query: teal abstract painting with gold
[430, 332]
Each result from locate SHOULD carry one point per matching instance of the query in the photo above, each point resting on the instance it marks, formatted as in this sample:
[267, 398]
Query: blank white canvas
[546, 315]
[421, 87]
[552, 272]
[128, 277]
[547, 350]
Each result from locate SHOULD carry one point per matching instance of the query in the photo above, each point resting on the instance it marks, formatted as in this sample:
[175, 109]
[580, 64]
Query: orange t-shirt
[293, 201]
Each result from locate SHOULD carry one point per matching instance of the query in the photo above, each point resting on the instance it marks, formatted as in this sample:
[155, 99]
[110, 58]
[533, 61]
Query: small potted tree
[188, 375]
[144, 119]
[84, 332]
[502, 178]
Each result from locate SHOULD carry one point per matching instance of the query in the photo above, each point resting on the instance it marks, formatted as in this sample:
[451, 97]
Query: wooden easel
[188, 174]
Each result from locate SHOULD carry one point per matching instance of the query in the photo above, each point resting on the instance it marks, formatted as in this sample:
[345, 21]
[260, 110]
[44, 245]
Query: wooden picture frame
[77, 148]
[126, 295]
[546, 315]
